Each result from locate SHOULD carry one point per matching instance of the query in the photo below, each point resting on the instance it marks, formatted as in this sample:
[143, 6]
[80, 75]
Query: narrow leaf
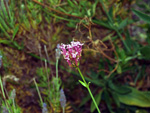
[121, 89]
[115, 98]
[102, 23]
[135, 98]
[111, 12]
[70, 3]
[123, 23]
[94, 8]
[1, 27]
[145, 51]
[15, 32]
[142, 15]
[82, 83]
[108, 100]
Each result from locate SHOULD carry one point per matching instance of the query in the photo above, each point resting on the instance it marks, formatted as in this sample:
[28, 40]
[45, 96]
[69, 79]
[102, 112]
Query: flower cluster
[72, 52]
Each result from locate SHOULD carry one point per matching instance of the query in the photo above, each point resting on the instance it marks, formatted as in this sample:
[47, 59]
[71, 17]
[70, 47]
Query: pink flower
[72, 52]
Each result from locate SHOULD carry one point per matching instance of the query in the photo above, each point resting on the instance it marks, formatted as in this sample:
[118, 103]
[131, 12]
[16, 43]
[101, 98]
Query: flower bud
[62, 98]
[58, 52]
[44, 110]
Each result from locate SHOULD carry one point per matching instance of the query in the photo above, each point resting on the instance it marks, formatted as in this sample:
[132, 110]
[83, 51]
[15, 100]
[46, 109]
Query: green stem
[38, 91]
[63, 109]
[48, 85]
[14, 105]
[7, 105]
[57, 69]
[111, 22]
[87, 86]
[57, 88]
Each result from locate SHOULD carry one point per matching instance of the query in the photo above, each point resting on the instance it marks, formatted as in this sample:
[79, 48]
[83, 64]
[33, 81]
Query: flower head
[62, 98]
[4, 110]
[72, 52]
[58, 52]
[44, 109]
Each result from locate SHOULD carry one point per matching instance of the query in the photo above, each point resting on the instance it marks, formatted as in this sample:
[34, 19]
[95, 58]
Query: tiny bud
[58, 52]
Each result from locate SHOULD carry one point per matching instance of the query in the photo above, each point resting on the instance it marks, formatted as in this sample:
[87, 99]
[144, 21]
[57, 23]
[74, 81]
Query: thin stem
[122, 39]
[63, 109]
[40, 55]
[2, 90]
[14, 105]
[87, 86]
[57, 88]
[7, 105]
[81, 75]
[38, 91]
[45, 49]
[47, 77]
[57, 68]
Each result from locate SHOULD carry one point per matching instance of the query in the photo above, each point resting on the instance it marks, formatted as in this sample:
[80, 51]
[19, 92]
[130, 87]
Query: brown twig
[100, 50]
[117, 60]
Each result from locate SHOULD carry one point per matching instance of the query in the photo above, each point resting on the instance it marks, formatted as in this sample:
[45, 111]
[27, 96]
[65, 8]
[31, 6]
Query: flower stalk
[72, 53]
[63, 100]
[38, 91]
[87, 86]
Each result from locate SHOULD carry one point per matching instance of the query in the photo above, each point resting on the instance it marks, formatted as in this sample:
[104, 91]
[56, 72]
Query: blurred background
[115, 55]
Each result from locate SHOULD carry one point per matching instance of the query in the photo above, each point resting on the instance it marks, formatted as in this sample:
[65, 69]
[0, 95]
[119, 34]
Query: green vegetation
[115, 57]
